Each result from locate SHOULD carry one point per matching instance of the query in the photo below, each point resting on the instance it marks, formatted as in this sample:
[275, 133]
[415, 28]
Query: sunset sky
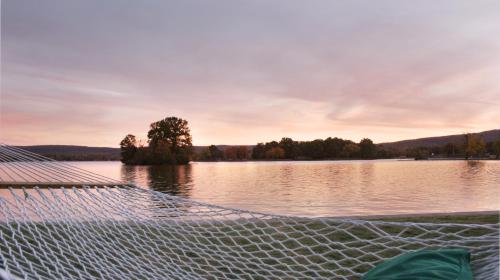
[89, 72]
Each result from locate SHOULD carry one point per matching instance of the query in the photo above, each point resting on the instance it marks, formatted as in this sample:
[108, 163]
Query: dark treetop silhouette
[169, 143]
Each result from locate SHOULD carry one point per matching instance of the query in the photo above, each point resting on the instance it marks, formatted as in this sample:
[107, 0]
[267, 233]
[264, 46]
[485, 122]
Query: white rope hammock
[61, 222]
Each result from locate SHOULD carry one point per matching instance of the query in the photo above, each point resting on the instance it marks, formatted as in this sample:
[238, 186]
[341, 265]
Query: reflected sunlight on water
[324, 188]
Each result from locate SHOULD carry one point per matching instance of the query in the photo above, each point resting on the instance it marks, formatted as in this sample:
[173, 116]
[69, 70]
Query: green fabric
[427, 264]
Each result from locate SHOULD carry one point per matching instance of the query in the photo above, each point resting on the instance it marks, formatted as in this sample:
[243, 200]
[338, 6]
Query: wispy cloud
[88, 72]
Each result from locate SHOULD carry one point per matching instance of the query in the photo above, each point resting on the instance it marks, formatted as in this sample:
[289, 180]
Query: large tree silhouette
[174, 133]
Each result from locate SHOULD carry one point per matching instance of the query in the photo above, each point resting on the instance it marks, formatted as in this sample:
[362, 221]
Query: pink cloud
[79, 74]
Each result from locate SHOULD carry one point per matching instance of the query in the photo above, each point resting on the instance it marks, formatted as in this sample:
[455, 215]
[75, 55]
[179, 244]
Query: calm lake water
[324, 188]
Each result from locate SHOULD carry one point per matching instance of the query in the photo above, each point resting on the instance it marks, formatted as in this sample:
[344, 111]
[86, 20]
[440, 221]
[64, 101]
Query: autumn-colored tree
[242, 153]
[231, 153]
[474, 145]
[275, 153]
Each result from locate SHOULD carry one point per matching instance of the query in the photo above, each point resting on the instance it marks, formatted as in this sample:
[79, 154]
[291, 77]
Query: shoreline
[351, 159]
[474, 217]
[424, 215]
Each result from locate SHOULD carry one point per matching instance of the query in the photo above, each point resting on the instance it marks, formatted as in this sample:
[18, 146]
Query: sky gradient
[241, 72]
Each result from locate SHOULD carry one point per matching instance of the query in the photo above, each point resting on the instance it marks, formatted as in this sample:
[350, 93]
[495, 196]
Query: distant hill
[69, 152]
[487, 136]
[83, 153]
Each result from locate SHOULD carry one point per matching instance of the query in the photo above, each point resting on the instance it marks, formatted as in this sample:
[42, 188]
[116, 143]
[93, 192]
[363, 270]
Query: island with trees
[169, 142]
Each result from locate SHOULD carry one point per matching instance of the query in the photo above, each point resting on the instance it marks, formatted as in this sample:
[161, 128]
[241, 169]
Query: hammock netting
[61, 222]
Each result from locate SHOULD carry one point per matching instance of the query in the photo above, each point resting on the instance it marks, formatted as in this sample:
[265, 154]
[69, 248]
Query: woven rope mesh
[116, 231]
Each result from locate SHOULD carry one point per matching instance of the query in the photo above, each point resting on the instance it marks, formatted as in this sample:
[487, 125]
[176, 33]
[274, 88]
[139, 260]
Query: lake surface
[324, 188]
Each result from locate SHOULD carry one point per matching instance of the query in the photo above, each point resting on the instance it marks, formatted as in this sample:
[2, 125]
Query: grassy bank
[281, 248]
[459, 218]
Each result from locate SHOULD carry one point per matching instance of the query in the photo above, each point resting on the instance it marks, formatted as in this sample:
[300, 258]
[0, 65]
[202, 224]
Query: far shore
[347, 159]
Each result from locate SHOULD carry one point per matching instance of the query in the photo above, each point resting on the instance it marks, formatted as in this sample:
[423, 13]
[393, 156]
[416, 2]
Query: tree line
[288, 149]
[329, 148]
[170, 142]
[231, 153]
[472, 146]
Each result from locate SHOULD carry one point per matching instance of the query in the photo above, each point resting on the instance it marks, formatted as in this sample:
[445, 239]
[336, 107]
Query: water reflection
[175, 180]
[472, 169]
[326, 188]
